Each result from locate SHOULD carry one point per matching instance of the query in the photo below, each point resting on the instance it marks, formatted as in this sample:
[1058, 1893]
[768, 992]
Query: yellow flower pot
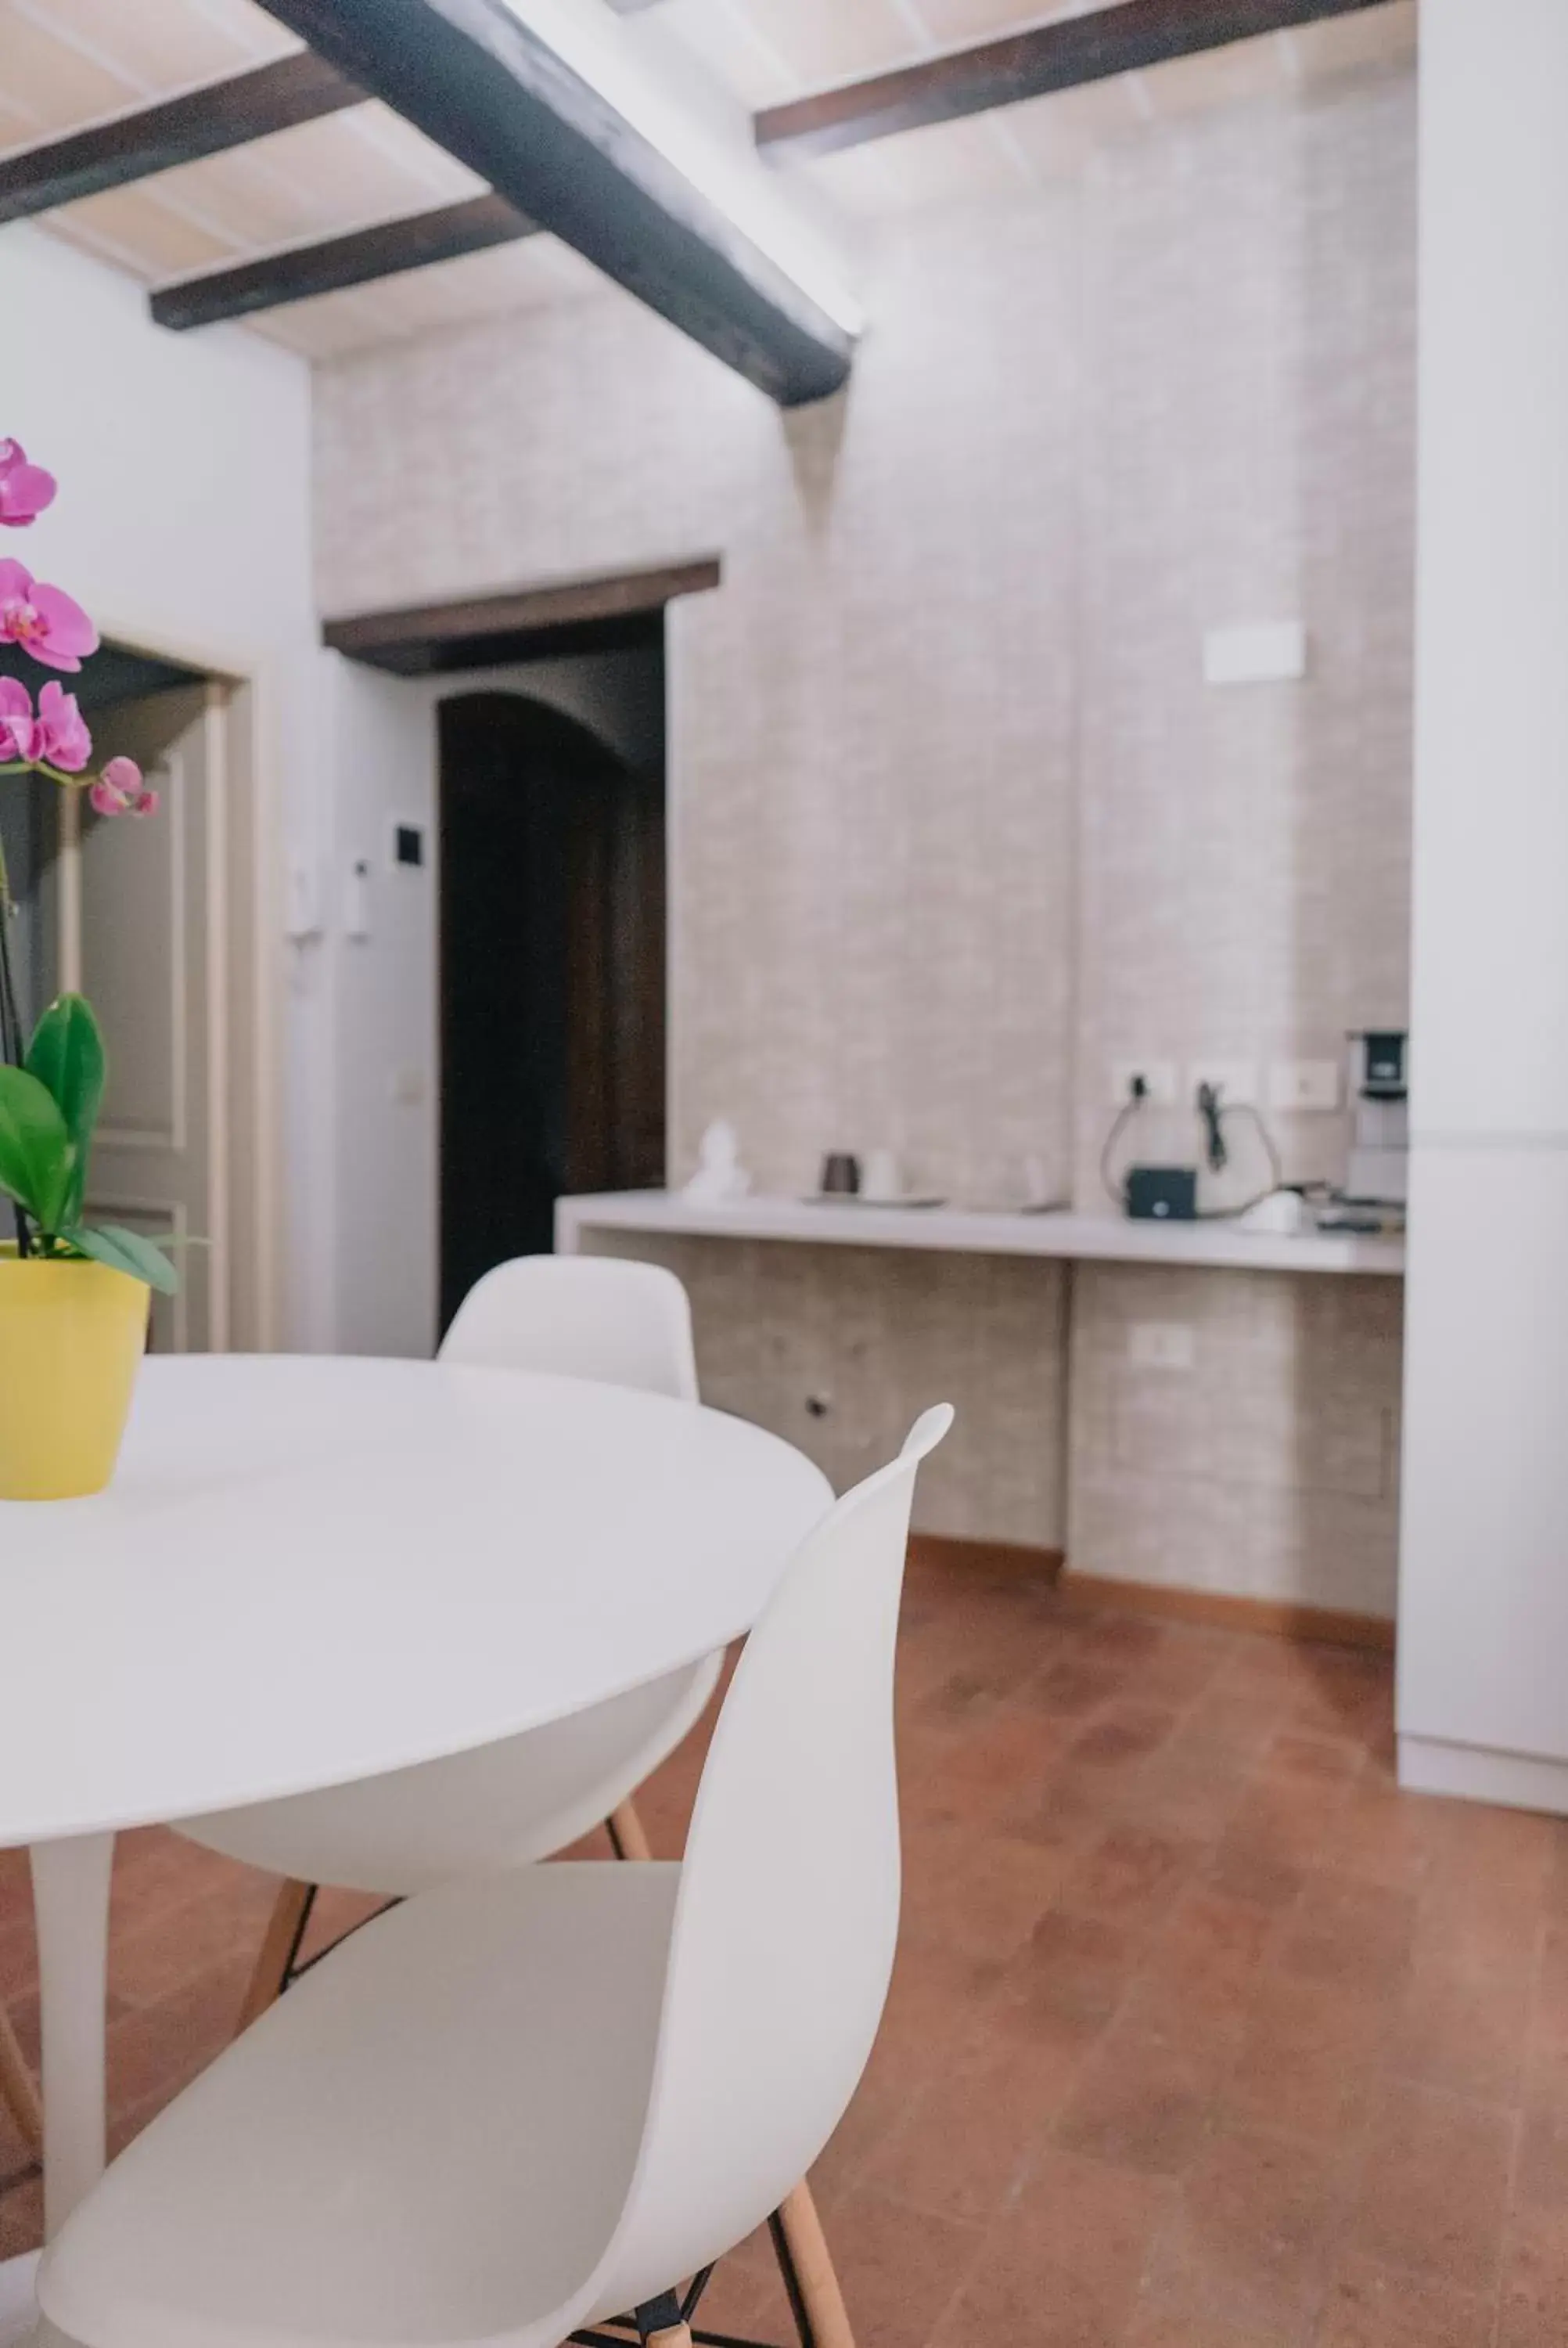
[72, 1335]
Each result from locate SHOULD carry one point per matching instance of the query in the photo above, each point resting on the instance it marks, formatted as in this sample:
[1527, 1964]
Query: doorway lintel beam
[415, 636]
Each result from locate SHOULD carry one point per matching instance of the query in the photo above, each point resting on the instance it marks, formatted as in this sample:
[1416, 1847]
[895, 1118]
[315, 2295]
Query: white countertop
[969, 1230]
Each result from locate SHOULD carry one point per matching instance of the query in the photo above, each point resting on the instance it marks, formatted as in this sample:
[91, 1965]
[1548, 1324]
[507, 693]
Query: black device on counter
[1162, 1194]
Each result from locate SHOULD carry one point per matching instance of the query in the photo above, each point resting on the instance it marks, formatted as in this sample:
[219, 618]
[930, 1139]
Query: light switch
[356, 898]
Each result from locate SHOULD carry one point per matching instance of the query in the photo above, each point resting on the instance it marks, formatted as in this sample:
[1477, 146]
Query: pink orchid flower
[119, 790]
[56, 737]
[25, 489]
[42, 620]
[66, 741]
[21, 736]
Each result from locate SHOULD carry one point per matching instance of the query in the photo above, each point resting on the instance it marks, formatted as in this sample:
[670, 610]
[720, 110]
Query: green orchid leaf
[67, 1055]
[37, 1162]
[123, 1251]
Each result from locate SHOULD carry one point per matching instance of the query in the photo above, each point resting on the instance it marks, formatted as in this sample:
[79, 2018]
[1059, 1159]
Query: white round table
[311, 1570]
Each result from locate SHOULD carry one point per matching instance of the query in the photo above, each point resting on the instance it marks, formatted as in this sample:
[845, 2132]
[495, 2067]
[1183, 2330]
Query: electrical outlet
[1304, 1085]
[1160, 1076]
[1161, 1344]
[1236, 1081]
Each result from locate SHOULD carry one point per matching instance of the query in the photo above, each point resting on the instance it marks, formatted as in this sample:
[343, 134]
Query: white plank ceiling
[65, 62]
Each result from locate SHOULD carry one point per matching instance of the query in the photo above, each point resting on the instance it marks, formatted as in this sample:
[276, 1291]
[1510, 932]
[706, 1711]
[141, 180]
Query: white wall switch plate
[1255, 652]
[302, 918]
[1304, 1085]
[1160, 1076]
[356, 898]
[1161, 1344]
[1235, 1080]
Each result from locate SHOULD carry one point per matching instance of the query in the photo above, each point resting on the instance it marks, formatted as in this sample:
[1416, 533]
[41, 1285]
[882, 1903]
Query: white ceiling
[65, 62]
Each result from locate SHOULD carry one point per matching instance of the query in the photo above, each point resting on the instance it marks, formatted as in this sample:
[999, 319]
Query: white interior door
[143, 932]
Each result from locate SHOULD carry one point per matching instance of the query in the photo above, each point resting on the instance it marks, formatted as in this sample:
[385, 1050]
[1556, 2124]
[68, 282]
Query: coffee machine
[1376, 1170]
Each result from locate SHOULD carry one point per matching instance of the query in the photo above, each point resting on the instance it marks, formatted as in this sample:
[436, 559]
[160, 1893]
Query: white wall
[1484, 1564]
[184, 523]
[385, 758]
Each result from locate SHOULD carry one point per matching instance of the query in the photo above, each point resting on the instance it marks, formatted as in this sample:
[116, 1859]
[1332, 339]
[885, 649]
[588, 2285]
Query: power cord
[1213, 1112]
[1214, 1122]
[1137, 1094]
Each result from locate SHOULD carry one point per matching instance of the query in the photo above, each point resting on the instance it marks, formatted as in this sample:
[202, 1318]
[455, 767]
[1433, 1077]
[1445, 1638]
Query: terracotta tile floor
[1201, 2032]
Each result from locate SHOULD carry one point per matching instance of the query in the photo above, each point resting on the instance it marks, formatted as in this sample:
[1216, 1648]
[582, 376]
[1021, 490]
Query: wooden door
[552, 977]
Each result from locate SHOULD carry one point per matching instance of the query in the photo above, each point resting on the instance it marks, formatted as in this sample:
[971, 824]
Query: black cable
[1138, 1093]
[1213, 1118]
[1276, 1166]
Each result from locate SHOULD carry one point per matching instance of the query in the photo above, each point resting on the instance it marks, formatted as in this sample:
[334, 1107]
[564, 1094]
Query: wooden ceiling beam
[481, 628]
[203, 120]
[484, 85]
[1071, 50]
[293, 272]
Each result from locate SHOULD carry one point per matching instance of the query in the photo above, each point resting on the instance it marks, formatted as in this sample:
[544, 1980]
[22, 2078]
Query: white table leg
[71, 1898]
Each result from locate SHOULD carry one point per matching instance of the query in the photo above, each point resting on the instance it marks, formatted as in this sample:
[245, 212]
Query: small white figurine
[720, 1174]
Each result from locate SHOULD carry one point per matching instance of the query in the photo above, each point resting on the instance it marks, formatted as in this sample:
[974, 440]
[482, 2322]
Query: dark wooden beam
[1028, 63]
[518, 623]
[294, 271]
[179, 129]
[486, 87]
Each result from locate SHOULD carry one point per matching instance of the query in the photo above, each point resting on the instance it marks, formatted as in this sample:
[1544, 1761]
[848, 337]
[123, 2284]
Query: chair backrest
[582, 1316]
[788, 1909]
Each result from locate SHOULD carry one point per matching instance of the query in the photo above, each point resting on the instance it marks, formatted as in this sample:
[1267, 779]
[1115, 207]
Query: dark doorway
[552, 976]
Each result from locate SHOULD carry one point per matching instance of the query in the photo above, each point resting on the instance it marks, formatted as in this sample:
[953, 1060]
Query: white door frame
[243, 976]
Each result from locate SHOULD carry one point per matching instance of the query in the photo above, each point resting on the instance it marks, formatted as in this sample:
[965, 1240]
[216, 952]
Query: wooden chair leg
[627, 1838]
[280, 1947]
[17, 2088]
[808, 2271]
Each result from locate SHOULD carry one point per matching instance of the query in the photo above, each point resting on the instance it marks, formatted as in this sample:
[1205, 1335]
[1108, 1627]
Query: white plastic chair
[580, 1316]
[522, 2102]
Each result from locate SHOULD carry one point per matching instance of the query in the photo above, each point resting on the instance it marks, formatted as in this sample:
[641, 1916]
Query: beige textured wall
[871, 725]
[1270, 1470]
[875, 1335]
[955, 822]
[1249, 454]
